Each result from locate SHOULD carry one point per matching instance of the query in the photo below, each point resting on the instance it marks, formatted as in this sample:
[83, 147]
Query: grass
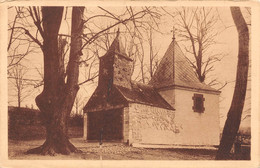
[25, 137]
[25, 132]
[109, 151]
[22, 137]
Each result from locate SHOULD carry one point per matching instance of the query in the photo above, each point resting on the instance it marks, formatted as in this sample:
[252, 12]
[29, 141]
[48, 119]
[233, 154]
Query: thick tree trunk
[234, 115]
[56, 100]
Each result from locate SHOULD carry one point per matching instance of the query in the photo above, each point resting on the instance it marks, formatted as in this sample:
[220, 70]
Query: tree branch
[28, 34]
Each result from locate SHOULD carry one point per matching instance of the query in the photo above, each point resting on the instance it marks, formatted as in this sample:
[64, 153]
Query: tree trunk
[201, 76]
[19, 96]
[234, 115]
[151, 53]
[58, 95]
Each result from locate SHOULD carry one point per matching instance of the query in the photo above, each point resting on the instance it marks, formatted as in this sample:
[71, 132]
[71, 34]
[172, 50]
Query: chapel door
[110, 122]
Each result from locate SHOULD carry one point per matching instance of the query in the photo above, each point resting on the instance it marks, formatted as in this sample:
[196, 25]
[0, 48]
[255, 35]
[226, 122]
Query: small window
[198, 103]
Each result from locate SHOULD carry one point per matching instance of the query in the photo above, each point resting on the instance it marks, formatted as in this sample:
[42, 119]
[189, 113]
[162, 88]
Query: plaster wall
[197, 128]
[153, 125]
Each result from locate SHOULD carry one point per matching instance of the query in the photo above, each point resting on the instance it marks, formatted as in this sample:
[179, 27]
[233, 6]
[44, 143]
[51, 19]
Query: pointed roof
[117, 48]
[175, 70]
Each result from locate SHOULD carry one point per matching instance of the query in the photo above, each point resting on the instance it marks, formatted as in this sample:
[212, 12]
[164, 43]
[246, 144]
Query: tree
[196, 29]
[234, 114]
[58, 95]
[19, 47]
[17, 77]
[61, 83]
[153, 61]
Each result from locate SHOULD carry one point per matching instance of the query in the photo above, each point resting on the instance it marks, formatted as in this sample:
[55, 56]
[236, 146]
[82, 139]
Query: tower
[115, 66]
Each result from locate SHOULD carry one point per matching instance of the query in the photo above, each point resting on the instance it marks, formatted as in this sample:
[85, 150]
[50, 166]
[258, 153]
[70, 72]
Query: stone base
[173, 146]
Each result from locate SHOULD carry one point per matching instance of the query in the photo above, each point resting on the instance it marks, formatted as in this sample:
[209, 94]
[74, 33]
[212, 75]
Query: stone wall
[149, 124]
[126, 124]
[122, 71]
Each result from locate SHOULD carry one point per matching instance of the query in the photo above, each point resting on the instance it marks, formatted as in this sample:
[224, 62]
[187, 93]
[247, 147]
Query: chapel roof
[175, 70]
[122, 96]
[144, 94]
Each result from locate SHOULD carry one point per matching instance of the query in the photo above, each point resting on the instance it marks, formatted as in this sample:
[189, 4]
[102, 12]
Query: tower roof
[175, 70]
[117, 48]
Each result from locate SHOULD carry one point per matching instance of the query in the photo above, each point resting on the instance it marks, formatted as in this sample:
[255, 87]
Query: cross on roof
[173, 33]
[118, 32]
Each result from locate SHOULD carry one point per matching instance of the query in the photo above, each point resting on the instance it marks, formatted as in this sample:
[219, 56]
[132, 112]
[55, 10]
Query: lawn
[108, 151]
[22, 137]
[25, 132]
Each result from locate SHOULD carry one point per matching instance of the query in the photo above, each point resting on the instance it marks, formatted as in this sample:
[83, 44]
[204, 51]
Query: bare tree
[61, 70]
[58, 95]
[196, 28]
[134, 42]
[234, 114]
[20, 83]
[141, 59]
[153, 54]
[19, 45]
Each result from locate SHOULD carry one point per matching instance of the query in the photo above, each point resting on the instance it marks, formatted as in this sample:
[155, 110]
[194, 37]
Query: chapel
[174, 109]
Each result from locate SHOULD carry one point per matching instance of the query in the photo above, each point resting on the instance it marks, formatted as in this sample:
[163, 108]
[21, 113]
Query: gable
[103, 99]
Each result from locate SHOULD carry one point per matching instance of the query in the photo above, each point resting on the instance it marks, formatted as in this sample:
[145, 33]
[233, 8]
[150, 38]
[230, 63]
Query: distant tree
[234, 114]
[19, 82]
[153, 54]
[134, 42]
[147, 67]
[18, 48]
[196, 28]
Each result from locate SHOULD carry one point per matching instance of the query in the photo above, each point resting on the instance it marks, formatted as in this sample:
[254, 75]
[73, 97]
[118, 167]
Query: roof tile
[175, 70]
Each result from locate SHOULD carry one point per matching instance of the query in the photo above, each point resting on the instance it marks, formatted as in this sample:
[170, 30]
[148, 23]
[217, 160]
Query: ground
[108, 151]
[25, 134]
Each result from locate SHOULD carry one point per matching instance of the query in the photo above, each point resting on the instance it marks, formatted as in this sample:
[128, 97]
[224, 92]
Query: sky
[225, 70]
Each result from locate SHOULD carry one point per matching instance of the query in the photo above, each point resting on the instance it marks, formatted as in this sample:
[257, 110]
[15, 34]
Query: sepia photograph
[129, 82]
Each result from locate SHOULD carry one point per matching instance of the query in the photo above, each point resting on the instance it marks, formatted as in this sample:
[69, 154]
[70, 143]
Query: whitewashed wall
[197, 128]
[152, 125]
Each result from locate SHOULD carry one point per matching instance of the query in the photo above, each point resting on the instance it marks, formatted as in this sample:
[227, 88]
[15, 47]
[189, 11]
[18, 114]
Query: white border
[4, 162]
